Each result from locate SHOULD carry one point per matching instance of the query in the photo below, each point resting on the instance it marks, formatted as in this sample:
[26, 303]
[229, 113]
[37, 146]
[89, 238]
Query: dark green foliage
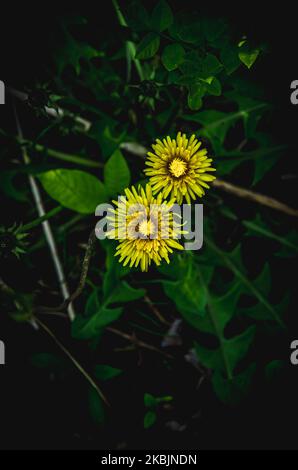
[165, 71]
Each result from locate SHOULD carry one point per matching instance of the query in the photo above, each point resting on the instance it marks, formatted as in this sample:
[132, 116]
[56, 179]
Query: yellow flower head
[146, 228]
[179, 167]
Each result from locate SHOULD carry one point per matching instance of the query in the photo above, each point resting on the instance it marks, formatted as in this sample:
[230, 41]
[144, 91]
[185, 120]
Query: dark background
[36, 412]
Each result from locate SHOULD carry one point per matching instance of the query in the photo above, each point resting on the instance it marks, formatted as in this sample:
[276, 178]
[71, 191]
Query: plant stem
[45, 224]
[66, 156]
[255, 197]
[39, 220]
[130, 47]
[73, 360]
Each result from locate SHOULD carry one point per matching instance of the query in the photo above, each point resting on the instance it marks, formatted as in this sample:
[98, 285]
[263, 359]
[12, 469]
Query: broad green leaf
[187, 28]
[232, 391]
[137, 16]
[162, 16]
[74, 189]
[116, 174]
[172, 56]
[105, 372]
[148, 47]
[230, 58]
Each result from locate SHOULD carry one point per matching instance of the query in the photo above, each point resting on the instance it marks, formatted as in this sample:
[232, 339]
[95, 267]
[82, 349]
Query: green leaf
[189, 293]
[233, 261]
[248, 57]
[96, 406]
[257, 227]
[172, 56]
[105, 372]
[149, 419]
[195, 94]
[232, 391]
[90, 327]
[148, 47]
[230, 58]
[69, 51]
[74, 189]
[123, 292]
[116, 174]
[214, 87]
[162, 16]
[211, 65]
[150, 401]
[187, 28]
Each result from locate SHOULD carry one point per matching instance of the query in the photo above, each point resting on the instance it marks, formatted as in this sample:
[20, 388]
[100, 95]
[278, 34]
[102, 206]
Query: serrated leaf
[69, 51]
[247, 285]
[148, 47]
[74, 189]
[189, 293]
[90, 327]
[172, 56]
[231, 391]
[229, 354]
[257, 227]
[116, 174]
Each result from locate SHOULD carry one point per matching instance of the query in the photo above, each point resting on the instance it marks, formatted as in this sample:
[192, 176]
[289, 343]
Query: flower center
[147, 227]
[177, 167]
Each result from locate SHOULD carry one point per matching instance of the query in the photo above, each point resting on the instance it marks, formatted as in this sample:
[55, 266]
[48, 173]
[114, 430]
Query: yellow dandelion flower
[179, 167]
[146, 228]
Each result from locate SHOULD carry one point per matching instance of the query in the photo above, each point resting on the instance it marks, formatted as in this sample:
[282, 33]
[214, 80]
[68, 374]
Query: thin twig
[45, 224]
[136, 341]
[255, 197]
[155, 310]
[73, 360]
[82, 281]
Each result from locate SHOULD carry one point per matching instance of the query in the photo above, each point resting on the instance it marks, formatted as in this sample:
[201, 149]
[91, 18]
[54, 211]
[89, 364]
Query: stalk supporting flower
[146, 228]
[179, 167]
